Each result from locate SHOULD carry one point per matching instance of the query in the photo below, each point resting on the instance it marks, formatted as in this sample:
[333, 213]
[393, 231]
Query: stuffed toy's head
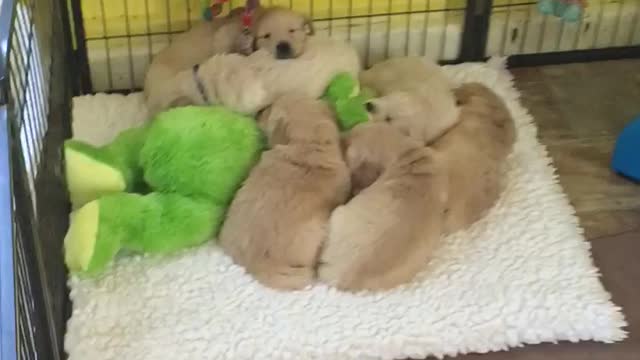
[348, 101]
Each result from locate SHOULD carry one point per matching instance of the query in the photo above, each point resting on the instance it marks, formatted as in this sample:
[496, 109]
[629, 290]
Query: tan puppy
[221, 36]
[192, 47]
[277, 222]
[387, 233]
[412, 91]
[475, 151]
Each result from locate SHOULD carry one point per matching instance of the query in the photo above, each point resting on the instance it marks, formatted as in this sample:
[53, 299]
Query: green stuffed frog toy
[156, 189]
[348, 101]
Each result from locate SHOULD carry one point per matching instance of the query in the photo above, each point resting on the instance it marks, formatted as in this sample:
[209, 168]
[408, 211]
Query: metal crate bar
[33, 79]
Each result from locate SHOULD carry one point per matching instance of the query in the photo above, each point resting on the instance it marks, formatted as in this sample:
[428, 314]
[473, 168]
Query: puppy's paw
[286, 277]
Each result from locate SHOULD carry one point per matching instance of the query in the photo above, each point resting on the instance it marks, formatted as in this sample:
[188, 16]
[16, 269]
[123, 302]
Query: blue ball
[626, 154]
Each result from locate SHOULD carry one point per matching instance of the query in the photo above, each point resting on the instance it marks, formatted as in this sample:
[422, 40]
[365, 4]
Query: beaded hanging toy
[568, 10]
[213, 8]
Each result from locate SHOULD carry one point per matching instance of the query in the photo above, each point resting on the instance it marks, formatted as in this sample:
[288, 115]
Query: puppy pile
[365, 210]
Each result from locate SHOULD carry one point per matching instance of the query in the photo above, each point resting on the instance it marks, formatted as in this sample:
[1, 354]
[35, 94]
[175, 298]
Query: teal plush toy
[348, 101]
[568, 10]
[156, 189]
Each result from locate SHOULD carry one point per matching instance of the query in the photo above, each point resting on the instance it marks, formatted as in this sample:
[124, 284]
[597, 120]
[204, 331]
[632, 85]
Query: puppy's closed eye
[266, 36]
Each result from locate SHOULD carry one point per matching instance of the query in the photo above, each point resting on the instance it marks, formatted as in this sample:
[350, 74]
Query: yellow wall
[177, 11]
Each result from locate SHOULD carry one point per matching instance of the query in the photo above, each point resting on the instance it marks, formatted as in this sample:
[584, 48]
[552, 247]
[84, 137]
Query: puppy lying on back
[203, 40]
[280, 32]
[227, 79]
[387, 233]
[475, 152]
[277, 221]
[411, 91]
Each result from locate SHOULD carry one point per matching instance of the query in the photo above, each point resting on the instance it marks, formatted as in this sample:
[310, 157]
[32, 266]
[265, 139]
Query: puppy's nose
[283, 50]
[371, 107]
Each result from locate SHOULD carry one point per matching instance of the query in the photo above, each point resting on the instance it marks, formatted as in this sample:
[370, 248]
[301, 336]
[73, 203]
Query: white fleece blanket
[522, 275]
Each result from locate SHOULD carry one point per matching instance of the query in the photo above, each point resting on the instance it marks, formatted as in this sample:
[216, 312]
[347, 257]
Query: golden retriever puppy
[227, 79]
[475, 152]
[412, 91]
[281, 32]
[387, 233]
[277, 221]
[203, 40]
[249, 84]
[310, 73]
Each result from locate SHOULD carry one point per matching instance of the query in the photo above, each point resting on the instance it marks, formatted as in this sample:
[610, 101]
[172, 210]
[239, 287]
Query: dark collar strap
[201, 88]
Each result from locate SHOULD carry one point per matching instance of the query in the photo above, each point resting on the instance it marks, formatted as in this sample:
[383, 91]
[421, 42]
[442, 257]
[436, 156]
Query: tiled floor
[580, 109]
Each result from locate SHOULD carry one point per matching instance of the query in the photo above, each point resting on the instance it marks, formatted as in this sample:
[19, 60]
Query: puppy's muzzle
[284, 50]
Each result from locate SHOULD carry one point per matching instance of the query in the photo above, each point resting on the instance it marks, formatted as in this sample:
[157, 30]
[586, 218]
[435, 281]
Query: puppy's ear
[263, 115]
[308, 26]
[244, 43]
[271, 121]
[364, 172]
[180, 101]
[280, 133]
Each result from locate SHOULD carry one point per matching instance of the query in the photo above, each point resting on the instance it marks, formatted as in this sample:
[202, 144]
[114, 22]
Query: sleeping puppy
[280, 32]
[310, 73]
[249, 83]
[387, 233]
[412, 91]
[277, 221]
[475, 153]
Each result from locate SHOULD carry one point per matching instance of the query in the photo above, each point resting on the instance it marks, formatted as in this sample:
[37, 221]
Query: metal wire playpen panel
[518, 28]
[34, 120]
[52, 49]
[120, 37]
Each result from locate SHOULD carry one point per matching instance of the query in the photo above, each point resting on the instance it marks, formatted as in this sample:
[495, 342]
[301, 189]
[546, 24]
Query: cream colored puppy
[277, 221]
[227, 79]
[310, 73]
[248, 84]
[412, 91]
[387, 233]
[475, 151]
[280, 32]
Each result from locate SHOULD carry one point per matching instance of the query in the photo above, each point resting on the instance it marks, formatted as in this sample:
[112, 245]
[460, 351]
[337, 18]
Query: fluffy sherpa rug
[522, 275]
